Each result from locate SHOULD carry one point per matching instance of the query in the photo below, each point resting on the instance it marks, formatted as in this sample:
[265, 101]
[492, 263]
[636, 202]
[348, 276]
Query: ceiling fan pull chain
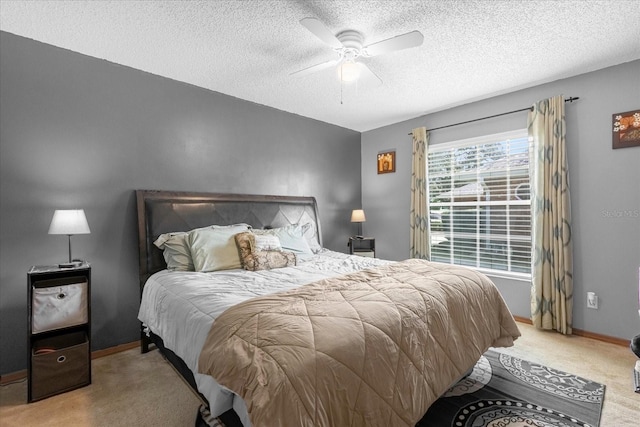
[341, 86]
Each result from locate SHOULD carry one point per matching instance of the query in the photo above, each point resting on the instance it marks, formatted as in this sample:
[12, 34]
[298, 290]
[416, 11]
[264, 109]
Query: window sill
[521, 277]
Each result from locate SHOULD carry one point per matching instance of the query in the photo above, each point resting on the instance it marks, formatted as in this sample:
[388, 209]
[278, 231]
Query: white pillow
[175, 250]
[291, 239]
[310, 232]
[175, 247]
[214, 249]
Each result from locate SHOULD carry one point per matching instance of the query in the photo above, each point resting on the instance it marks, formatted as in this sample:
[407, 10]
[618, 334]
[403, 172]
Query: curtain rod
[570, 99]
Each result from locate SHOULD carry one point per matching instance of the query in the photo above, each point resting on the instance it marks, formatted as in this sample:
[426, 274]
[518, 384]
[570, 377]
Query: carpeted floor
[127, 389]
[130, 389]
[504, 390]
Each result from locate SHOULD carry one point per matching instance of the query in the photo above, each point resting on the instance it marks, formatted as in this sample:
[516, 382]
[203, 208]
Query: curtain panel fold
[419, 214]
[552, 246]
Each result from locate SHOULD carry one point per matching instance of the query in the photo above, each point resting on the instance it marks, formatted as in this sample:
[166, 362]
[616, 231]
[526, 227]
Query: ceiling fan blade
[403, 41]
[367, 76]
[315, 68]
[321, 31]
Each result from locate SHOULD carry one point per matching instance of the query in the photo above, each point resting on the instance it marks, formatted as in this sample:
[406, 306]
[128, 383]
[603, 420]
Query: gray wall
[605, 190]
[78, 132]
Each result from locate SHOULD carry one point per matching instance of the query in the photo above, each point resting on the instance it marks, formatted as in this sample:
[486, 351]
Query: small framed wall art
[387, 162]
[626, 129]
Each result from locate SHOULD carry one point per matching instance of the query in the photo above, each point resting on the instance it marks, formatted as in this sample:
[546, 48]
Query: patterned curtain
[552, 250]
[419, 215]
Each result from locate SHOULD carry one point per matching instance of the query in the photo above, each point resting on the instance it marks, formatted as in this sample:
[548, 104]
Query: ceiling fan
[348, 45]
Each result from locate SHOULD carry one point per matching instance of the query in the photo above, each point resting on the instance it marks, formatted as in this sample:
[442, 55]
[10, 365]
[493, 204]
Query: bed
[330, 339]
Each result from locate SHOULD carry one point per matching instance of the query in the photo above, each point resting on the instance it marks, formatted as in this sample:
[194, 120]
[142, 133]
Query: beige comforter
[372, 348]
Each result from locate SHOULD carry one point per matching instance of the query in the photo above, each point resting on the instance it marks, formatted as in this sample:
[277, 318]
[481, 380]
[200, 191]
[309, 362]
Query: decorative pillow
[214, 249]
[266, 260]
[175, 250]
[267, 242]
[244, 243]
[254, 260]
[291, 239]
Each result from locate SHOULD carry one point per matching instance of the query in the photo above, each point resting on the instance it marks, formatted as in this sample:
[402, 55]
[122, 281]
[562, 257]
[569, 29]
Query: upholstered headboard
[167, 211]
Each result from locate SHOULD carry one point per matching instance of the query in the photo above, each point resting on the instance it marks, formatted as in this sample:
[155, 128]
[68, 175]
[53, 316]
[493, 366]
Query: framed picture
[626, 129]
[387, 162]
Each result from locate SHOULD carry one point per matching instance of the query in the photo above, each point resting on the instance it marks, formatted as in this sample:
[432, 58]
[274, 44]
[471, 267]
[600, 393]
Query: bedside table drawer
[59, 304]
[368, 254]
[60, 363]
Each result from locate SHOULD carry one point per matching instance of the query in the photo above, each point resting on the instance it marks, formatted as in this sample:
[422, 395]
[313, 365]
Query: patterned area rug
[504, 391]
[509, 392]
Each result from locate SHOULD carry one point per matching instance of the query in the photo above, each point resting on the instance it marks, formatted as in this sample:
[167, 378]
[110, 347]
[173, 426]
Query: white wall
[605, 190]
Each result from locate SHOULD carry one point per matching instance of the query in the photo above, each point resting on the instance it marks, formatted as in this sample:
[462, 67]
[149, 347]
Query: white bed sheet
[180, 307]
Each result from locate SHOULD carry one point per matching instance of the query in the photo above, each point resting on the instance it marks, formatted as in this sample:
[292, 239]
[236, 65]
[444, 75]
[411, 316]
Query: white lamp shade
[72, 221]
[357, 215]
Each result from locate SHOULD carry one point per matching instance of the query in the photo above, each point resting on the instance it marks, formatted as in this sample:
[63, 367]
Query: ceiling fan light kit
[348, 45]
[349, 71]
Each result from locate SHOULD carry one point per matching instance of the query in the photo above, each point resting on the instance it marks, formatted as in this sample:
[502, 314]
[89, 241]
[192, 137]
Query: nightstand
[59, 335]
[365, 246]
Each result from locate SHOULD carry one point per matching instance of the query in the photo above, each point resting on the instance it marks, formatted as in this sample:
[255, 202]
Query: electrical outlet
[592, 300]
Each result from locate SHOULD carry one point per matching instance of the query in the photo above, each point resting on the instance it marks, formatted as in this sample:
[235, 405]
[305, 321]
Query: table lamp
[357, 215]
[69, 222]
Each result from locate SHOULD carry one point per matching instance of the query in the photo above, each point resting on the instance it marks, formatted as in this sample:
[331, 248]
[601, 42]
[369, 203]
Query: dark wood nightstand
[362, 246]
[59, 335]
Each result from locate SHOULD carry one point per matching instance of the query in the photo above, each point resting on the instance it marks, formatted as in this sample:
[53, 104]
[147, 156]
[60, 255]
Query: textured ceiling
[472, 49]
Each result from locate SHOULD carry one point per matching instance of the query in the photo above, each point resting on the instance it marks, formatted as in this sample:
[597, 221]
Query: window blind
[479, 203]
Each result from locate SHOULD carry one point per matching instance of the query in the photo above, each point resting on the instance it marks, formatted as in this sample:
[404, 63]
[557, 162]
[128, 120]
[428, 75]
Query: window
[479, 203]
